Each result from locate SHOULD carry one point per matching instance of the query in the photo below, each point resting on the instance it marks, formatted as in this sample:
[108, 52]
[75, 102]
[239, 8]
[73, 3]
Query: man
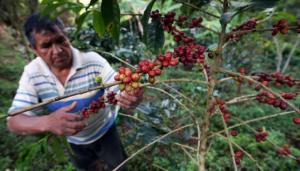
[60, 69]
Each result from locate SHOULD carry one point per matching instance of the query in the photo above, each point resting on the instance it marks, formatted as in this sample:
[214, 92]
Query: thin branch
[63, 97]
[254, 120]
[180, 94]
[150, 144]
[159, 167]
[279, 51]
[132, 117]
[114, 56]
[241, 32]
[188, 154]
[210, 29]
[170, 95]
[263, 86]
[178, 80]
[275, 145]
[197, 8]
[241, 99]
[185, 146]
[243, 150]
[291, 54]
[229, 142]
[89, 90]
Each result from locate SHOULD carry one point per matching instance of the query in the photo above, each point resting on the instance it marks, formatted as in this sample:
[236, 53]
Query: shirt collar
[77, 62]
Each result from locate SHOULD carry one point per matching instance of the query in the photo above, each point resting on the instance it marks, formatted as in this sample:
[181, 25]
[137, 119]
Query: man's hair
[37, 23]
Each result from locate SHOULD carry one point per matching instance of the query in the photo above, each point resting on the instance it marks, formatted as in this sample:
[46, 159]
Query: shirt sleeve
[25, 96]
[108, 76]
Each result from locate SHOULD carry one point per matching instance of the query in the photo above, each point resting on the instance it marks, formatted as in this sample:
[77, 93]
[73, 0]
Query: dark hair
[37, 23]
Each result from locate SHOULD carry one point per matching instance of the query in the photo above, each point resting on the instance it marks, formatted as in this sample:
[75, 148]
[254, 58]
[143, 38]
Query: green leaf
[111, 16]
[79, 20]
[227, 17]
[145, 19]
[98, 23]
[57, 149]
[155, 36]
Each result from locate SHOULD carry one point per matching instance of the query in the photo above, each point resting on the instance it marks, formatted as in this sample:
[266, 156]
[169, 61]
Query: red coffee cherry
[233, 133]
[296, 121]
[135, 77]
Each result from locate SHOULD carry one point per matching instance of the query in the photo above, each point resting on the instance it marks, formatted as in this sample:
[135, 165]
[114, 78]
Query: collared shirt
[38, 84]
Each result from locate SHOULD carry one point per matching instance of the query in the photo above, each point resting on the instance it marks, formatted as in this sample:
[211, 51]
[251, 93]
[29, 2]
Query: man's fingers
[73, 117]
[124, 105]
[70, 131]
[79, 125]
[70, 107]
[128, 97]
[124, 101]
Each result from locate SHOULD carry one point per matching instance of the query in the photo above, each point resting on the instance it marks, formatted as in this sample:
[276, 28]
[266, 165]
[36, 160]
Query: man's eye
[60, 40]
[46, 45]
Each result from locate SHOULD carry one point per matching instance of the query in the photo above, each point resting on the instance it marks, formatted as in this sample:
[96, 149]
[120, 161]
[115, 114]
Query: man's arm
[60, 122]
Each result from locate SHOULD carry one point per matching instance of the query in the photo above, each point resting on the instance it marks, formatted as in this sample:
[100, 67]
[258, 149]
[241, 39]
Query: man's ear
[33, 49]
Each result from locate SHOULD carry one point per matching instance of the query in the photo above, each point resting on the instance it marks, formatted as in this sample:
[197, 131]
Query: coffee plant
[207, 118]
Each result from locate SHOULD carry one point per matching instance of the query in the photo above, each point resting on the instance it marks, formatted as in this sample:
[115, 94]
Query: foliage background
[159, 113]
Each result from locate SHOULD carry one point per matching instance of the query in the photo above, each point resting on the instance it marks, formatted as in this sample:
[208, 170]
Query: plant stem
[150, 144]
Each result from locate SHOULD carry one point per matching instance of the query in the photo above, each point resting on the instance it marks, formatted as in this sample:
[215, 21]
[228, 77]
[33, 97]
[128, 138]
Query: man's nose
[56, 49]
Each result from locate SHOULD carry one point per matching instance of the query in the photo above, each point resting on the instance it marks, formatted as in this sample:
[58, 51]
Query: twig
[210, 29]
[291, 54]
[159, 167]
[185, 146]
[63, 97]
[263, 86]
[148, 145]
[279, 51]
[244, 151]
[229, 142]
[199, 9]
[253, 120]
[241, 99]
[240, 32]
[114, 56]
[132, 117]
[276, 146]
[180, 94]
[189, 155]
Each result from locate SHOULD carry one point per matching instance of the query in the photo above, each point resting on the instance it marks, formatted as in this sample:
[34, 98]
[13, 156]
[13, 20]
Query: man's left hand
[129, 100]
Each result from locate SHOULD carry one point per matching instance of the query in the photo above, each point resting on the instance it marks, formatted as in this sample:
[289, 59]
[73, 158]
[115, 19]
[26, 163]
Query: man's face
[54, 48]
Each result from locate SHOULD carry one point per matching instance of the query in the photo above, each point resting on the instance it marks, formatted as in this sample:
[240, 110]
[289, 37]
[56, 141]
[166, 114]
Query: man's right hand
[62, 122]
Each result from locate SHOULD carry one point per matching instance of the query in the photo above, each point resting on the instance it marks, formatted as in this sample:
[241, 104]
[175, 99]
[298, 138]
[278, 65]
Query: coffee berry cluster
[238, 155]
[261, 135]
[217, 102]
[95, 106]
[237, 32]
[169, 21]
[130, 80]
[277, 78]
[190, 54]
[280, 27]
[284, 150]
[270, 99]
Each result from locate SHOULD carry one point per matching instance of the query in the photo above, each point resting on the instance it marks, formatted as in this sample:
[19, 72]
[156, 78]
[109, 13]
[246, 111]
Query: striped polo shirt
[38, 84]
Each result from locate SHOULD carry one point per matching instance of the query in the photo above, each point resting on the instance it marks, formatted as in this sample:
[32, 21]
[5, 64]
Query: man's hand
[62, 122]
[130, 100]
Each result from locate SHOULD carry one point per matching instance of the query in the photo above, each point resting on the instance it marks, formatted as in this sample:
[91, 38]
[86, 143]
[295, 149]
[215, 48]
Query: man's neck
[61, 73]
